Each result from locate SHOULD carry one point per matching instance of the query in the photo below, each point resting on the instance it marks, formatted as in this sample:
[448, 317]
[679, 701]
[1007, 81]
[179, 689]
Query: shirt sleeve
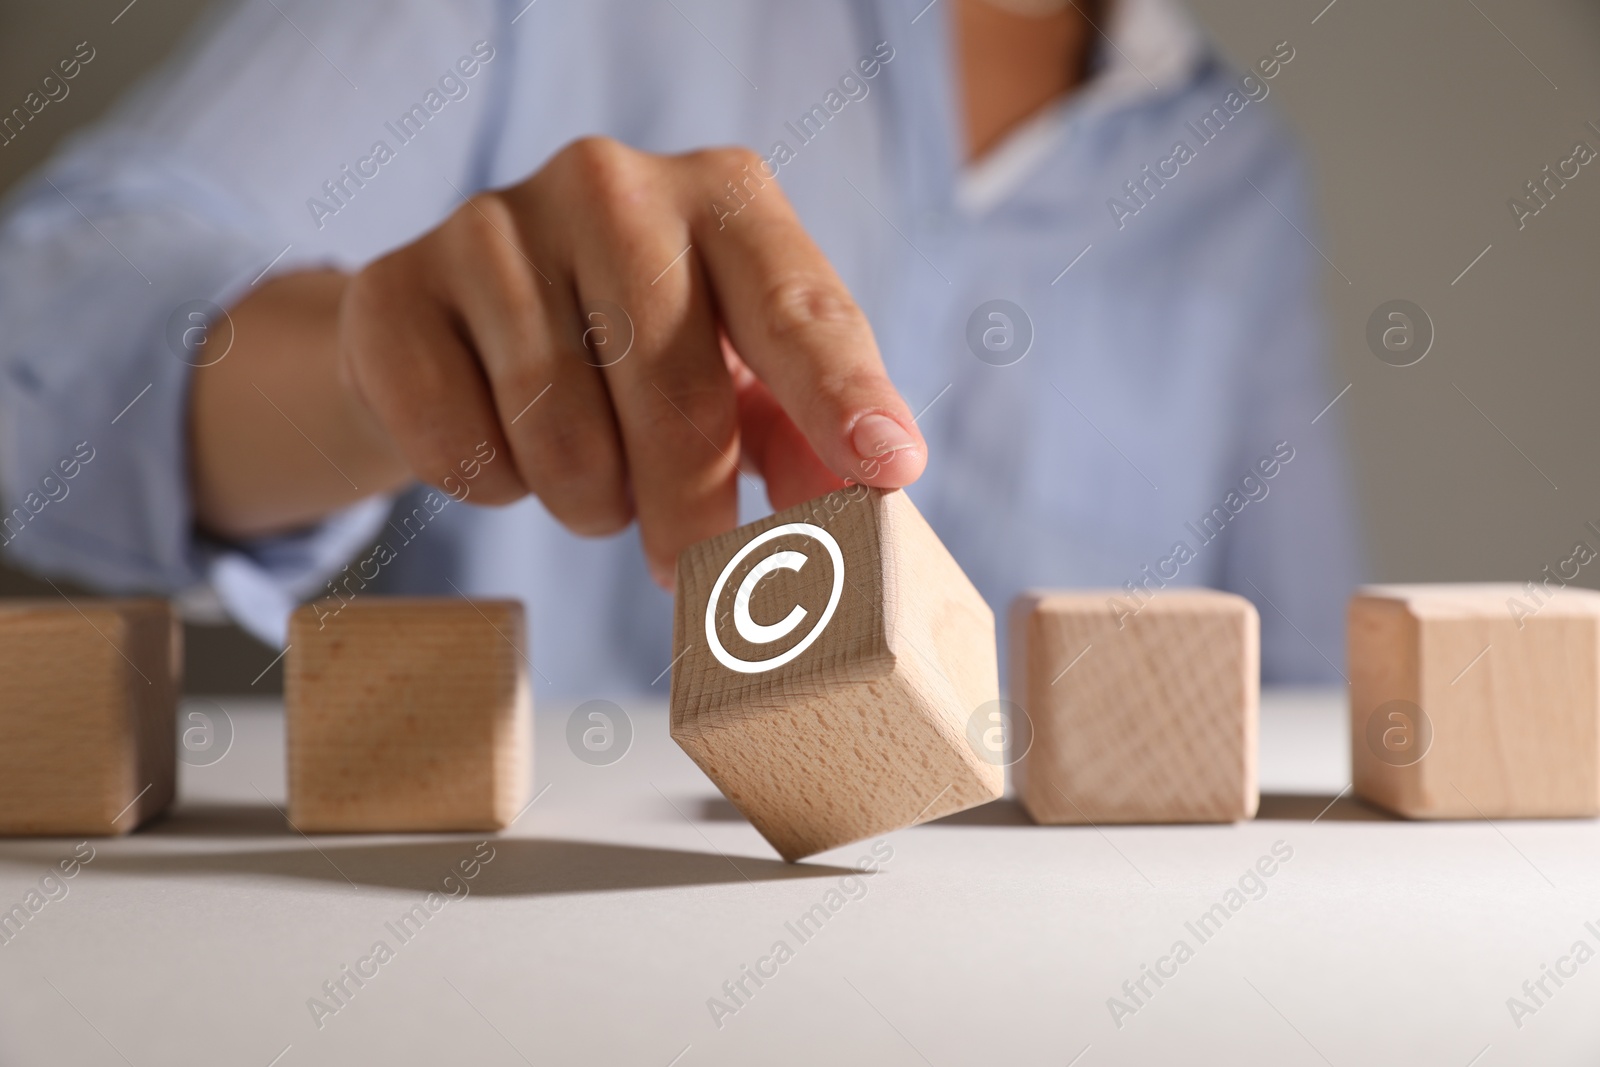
[1297, 555]
[255, 152]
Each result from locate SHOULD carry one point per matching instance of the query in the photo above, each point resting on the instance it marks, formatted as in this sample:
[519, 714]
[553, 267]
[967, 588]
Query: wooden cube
[408, 715]
[1476, 701]
[1139, 714]
[830, 658]
[89, 714]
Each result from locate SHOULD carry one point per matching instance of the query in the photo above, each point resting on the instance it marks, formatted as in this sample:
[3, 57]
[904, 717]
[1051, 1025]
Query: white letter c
[748, 628]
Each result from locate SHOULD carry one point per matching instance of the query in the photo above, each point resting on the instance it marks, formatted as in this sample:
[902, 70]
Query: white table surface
[628, 894]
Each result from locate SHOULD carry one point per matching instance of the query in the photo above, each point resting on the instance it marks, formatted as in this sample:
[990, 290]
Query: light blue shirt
[1170, 335]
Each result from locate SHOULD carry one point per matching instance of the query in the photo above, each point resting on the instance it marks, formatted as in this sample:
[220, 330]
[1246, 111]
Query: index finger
[794, 323]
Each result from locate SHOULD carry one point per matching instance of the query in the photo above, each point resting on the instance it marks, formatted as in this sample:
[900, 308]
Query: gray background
[1422, 118]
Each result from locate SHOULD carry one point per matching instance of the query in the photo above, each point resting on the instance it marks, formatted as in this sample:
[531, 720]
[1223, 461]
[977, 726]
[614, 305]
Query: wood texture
[408, 715]
[864, 730]
[1509, 684]
[1137, 718]
[89, 714]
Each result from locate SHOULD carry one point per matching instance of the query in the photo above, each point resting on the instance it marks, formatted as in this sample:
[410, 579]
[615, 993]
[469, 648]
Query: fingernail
[876, 436]
[665, 577]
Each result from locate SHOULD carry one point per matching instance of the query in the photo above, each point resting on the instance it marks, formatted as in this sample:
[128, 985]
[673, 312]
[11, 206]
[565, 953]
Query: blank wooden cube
[88, 715]
[1138, 716]
[831, 657]
[408, 715]
[1476, 701]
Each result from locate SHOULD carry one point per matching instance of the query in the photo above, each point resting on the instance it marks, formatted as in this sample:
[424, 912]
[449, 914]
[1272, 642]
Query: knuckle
[606, 172]
[738, 173]
[594, 147]
[726, 160]
[802, 305]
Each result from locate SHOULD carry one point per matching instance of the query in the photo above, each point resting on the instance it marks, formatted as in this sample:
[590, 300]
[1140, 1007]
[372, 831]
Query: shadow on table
[520, 866]
[1284, 807]
[1305, 807]
[718, 809]
[220, 820]
[1002, 812]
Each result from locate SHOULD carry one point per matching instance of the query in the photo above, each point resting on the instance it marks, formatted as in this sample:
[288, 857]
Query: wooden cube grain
[408, 715]
[89, 714]
[1476, 701]
[830, 658]
[1137, 716]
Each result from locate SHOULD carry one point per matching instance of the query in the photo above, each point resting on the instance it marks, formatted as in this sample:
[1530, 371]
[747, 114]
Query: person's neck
[1017, 57]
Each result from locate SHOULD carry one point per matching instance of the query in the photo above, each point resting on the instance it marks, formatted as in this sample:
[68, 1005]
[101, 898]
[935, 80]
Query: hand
[507, 323]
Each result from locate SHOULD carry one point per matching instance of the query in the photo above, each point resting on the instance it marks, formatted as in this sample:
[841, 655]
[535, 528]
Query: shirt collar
[1149, 49]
